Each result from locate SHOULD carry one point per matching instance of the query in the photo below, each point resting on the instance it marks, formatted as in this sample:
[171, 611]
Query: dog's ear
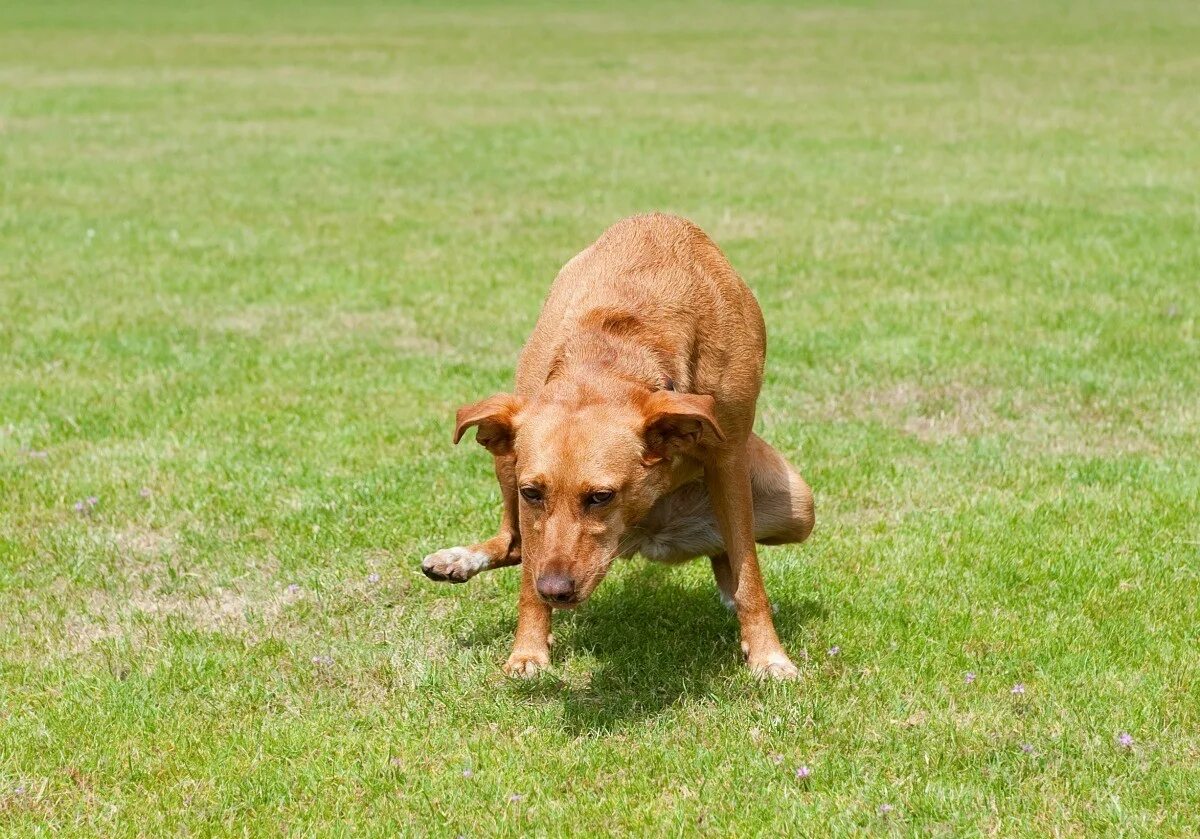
[494, 418]
[677, 423]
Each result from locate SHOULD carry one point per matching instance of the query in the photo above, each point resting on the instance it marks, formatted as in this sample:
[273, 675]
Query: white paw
[774, 666]
[455, 565]
[524, 665]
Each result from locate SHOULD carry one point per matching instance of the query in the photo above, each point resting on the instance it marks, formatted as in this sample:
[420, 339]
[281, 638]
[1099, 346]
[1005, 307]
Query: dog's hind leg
[783, 510]
[726, 584]
[783, 502]
[459, 564]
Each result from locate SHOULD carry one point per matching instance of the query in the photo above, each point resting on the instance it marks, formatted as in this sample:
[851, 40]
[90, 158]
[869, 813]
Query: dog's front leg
[459, 564]
[727, 474]
[531, 648]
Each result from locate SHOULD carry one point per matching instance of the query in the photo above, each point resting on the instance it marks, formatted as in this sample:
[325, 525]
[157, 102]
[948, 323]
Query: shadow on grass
[655, 641]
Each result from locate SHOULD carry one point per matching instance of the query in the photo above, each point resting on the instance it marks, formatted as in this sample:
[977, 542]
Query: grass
[253, 255]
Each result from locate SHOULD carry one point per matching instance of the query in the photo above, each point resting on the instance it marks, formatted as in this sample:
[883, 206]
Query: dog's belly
[680, 526]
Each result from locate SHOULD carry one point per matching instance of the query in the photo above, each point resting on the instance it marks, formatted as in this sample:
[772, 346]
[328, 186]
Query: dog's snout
[557, 588]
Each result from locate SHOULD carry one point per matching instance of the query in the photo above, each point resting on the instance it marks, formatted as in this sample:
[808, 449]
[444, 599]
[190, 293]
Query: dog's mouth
[575, 596]
[580, 594]
[568, 602]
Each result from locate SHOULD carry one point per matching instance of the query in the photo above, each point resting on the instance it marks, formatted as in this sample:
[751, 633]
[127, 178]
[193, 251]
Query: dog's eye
[599, 497]
[532, 494]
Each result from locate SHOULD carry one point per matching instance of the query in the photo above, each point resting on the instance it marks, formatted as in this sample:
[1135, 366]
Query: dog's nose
[556, 588]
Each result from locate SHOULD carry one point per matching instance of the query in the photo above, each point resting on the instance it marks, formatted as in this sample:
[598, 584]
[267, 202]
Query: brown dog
[630, 432]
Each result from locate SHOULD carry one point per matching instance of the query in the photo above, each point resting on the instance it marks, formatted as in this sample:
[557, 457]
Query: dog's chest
[680, 526]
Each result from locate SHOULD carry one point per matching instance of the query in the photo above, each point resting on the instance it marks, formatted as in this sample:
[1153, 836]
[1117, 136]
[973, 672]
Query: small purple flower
[834, 650]
[776, 759]
[884, 809]
[92, 501]
[1027, 748]
[322, 660]
[1018, 689]
[1125, 740]
[515, 797]
[969, 678]
[802, 773]
[373, 579]
[79, 507]
[19, 790]
[293, 589]
[467, 773]
[144, 492]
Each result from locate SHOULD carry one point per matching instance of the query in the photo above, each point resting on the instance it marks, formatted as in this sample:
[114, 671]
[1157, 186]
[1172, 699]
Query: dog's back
[658, 283]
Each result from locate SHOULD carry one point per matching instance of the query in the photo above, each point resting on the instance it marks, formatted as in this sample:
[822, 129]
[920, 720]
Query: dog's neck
[615, 343]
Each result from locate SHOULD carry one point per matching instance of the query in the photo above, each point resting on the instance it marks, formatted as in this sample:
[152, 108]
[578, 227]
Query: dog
[630, 432]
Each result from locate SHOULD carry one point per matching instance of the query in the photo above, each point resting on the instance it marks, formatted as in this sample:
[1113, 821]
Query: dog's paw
[524, 664]
[455, 565]
[775, 666]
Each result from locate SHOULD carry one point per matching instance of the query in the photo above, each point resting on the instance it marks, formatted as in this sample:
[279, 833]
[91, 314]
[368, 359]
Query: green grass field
[253, 256]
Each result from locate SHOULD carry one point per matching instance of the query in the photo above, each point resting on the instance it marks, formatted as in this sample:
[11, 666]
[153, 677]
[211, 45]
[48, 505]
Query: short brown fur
[630, 432]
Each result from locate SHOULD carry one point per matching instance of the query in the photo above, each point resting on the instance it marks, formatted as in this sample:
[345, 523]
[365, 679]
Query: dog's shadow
[653, 639]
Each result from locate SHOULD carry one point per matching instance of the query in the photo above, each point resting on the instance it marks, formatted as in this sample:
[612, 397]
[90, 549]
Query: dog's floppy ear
[677, 422]
[494, 418]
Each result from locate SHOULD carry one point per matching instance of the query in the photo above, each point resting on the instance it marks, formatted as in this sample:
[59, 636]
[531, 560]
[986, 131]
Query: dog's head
[589, 467]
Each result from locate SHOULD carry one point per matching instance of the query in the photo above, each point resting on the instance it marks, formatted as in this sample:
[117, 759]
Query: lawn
[253, 256]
